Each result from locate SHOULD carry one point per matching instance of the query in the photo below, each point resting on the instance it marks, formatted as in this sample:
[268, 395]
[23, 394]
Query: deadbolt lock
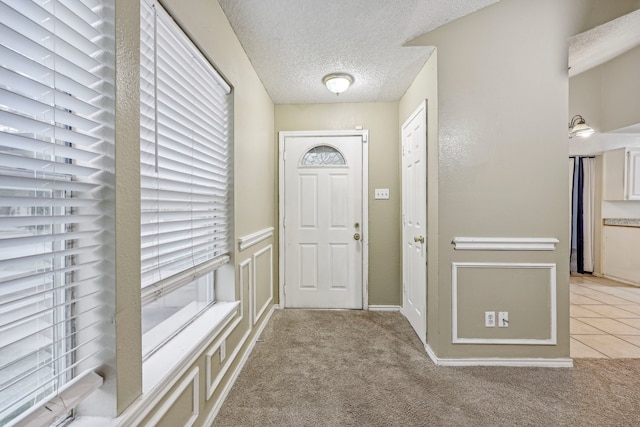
[356, 236]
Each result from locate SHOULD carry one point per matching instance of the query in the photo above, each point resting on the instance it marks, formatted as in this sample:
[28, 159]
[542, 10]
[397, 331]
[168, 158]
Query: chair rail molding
[249, 240]
[505, 243]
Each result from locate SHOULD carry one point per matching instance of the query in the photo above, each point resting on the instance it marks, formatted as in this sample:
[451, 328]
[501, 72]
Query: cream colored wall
[425, 87]
[381, 119]
[254, 198]
[500, 75]
[608, 96]
[621, 91]
[592, 13]
[585, 98]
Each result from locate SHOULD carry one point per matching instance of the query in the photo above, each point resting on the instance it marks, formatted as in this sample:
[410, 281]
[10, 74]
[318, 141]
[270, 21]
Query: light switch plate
[381, 193]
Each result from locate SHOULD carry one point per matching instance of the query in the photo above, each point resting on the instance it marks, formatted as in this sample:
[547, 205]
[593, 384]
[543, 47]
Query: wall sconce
[337, 83]
[578, 127]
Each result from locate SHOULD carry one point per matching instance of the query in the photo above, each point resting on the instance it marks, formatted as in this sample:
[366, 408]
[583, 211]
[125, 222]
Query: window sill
[178, 352]
[162, 369]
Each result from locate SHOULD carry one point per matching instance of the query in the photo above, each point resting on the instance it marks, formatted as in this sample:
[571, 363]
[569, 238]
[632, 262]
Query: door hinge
[284, 222]
[284, 156]
[365, 138]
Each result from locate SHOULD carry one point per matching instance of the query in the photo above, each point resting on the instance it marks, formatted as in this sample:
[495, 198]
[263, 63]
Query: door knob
[419, 239]
[356, 236]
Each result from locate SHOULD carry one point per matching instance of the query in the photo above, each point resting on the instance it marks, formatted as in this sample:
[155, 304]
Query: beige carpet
[359, 368]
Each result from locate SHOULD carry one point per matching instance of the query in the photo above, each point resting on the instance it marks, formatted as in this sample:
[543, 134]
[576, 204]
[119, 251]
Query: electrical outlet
[223, 351]
[381, 193]
[503, 319]
[489, 319]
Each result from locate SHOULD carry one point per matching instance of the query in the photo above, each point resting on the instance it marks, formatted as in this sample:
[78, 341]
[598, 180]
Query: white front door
[323, 213]
[414, 220]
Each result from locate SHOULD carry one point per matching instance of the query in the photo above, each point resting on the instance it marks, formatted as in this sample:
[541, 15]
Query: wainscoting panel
[262, 281]
[527, 291]
[215, 367]
[246, 279]
[186, 393]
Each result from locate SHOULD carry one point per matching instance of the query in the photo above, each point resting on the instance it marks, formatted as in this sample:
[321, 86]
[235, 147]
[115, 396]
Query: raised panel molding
[505, 243]
[249, 240]
[211, 381]
[191, 379]
[552, 340]
[247, 266]
[224, 392]
[257, 313]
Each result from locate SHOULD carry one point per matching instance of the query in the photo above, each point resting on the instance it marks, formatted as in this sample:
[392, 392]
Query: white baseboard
[431, 354]
[621, 280]
[238, 369]
[384, 308]
[500, 361]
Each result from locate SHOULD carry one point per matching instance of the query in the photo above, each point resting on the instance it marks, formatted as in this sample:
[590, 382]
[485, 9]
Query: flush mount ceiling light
[578, 127]
[337, 82]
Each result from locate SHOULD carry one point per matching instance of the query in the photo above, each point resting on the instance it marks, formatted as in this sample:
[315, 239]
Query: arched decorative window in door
[323, 155]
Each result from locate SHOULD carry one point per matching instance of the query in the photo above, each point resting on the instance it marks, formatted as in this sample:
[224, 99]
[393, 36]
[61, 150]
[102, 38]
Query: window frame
[163, 288]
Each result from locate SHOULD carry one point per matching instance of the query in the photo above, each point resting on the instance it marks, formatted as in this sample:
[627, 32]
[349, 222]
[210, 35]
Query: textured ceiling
[604, 42]
[293, 44]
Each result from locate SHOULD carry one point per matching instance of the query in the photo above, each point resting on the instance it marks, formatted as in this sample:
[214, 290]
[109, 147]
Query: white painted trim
[192, 378]
[139, 409]
[552, 340]
[498, 361]
[364, 133]
[618, 279]
[385, 308]
[246, 263]
[257, 315]
[211, 384]
[249, 240]
[365, 220]
[505, 243]
[431, 354]
[234, 376]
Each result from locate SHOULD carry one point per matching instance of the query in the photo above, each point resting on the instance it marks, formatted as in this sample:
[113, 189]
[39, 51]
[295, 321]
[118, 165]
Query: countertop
[622, 222]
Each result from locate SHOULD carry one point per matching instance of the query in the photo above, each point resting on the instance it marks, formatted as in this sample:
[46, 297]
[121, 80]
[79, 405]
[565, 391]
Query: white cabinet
[622, 174]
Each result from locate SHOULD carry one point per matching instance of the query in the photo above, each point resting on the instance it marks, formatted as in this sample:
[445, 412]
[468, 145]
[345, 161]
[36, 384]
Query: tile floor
[605, 318]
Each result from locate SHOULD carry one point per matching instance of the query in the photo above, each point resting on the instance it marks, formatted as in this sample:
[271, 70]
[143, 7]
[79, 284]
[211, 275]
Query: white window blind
[56, 144]
[184, 156]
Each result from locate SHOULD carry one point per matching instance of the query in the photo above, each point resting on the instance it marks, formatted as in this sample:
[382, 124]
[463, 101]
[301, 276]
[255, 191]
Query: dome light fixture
[578, 127]
[337, 82]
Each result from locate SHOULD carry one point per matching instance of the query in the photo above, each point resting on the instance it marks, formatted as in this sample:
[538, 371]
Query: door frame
[364, 134]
